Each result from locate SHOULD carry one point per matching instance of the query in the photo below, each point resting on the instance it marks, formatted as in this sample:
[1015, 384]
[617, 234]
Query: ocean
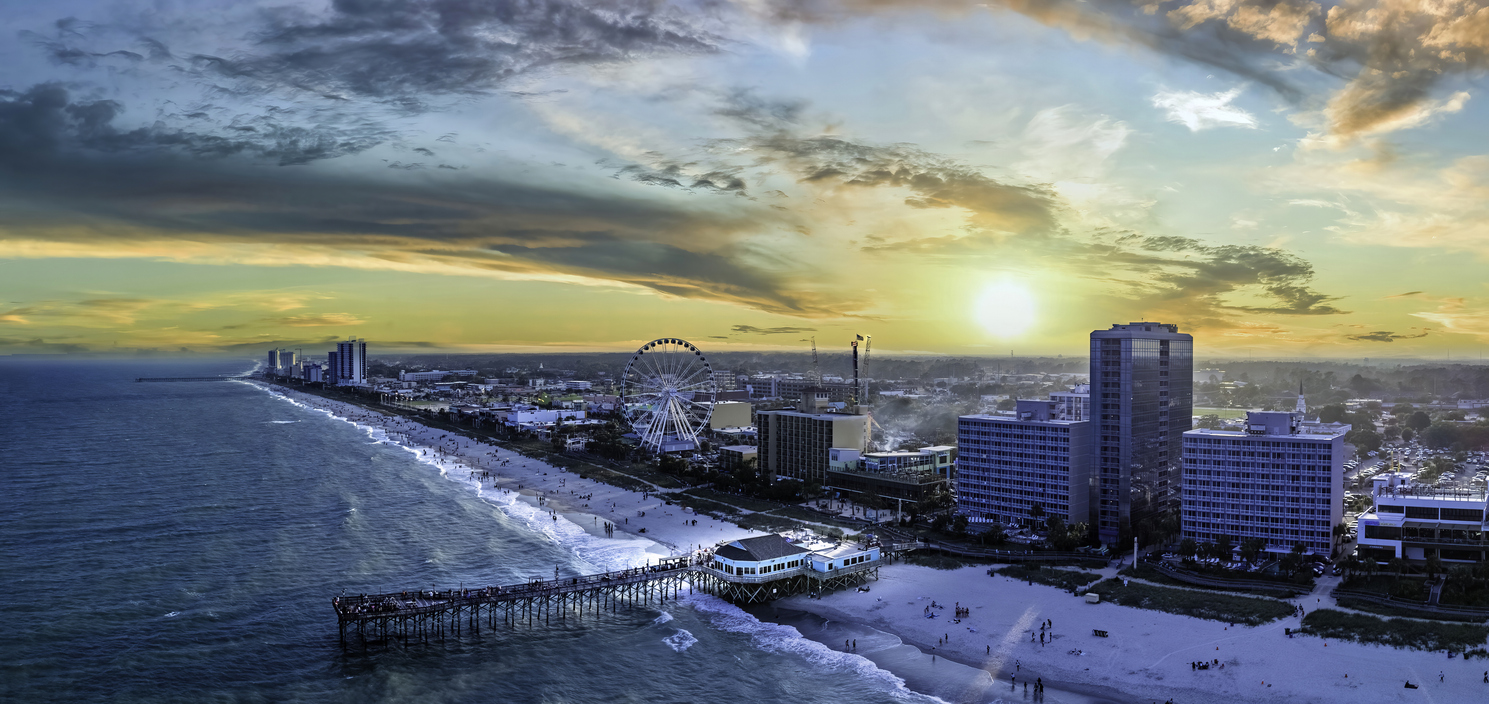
[164, 542]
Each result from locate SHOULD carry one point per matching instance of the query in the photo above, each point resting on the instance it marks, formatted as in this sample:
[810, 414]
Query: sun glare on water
[1006, 309]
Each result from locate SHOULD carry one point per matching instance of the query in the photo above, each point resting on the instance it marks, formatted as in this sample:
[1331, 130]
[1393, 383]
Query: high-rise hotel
[1141, 403]
[1039, 456]
[1277, 480]
[1113, 458]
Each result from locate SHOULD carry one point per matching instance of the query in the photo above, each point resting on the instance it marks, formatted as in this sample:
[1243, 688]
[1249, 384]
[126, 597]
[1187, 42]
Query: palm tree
[1349, 563]
[1400, 565]
[1434, 565]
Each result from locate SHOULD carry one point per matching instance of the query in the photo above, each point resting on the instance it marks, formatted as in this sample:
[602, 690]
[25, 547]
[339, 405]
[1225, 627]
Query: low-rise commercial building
[891, 476]
[734, 457]
[1417, 522]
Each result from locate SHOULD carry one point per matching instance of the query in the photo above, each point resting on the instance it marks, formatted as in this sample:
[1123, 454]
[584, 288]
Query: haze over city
[1283, 179]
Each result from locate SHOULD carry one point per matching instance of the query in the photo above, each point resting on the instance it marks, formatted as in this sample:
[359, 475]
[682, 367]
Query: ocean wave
[665, 617]
[595, 554]
[680, 641]
[776, 638]
[283, 422]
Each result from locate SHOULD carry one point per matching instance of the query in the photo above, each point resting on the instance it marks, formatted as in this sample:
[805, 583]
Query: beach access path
[1146, 654]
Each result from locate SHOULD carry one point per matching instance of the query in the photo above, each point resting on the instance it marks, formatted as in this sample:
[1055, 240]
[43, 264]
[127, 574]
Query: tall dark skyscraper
[1142, 397]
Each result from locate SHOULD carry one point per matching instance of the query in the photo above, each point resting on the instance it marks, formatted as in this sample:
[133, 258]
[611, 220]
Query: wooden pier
[190, 378]
[422, 615]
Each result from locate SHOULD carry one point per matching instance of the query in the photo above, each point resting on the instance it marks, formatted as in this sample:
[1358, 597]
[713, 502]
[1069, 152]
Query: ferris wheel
[661, 392]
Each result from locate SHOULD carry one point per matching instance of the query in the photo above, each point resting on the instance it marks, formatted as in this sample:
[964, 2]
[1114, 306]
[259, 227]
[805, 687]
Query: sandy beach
[1146, 657]
[1147, 654]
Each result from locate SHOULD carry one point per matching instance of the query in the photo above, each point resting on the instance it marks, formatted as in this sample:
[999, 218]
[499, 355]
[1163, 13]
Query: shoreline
[667, 529]
[1142, 661]
[927, 665]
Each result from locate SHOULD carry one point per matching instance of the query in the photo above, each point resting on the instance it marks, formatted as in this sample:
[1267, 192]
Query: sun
[1006, 309]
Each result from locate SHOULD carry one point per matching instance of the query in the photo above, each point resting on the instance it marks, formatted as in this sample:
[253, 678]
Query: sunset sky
[1277, 177]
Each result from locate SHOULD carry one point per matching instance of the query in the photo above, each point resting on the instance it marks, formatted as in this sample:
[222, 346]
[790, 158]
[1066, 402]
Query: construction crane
[860, 394]
[816, 370]
[854, 345]
[858, 391]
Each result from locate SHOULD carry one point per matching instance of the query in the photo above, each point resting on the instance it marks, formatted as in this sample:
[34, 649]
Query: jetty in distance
[191, 378]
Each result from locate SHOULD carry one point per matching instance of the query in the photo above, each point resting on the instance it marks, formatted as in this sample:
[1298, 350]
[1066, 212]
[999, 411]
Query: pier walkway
[190, 378]
[422, 615]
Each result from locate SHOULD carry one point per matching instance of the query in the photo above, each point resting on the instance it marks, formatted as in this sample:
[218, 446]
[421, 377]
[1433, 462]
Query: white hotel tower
[1278, 480]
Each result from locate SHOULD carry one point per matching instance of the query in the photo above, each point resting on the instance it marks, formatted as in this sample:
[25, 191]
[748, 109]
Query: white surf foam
[776, 638]
[596, 554]
[665, 617]
[680, 641]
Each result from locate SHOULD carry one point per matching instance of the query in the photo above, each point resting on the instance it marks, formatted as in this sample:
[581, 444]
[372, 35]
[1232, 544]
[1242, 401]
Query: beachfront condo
[1141, 401]
[1019, 469]
[1278, 480]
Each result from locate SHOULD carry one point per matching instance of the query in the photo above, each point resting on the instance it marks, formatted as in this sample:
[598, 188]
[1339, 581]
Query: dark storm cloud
[686, 177]
[670, 269]
[934, 181]
[781, 330]
[777, 143]
[68, 173]
[1383, 336]
[407, 50]
[41, 125]
[1208, 273]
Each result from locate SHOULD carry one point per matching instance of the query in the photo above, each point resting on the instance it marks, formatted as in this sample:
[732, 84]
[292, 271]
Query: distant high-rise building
[798, 443]
[1141, 402]
[724, 380]
[329, 373]
[351, 362]
[273, 361]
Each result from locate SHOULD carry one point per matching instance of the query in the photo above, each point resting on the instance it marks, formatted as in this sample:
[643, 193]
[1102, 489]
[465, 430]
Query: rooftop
[1430, 492]
[1011, 417]
[756, 549]
[819, 416]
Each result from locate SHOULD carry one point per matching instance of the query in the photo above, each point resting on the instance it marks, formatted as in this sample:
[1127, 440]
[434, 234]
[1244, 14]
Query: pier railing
[422, 614]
